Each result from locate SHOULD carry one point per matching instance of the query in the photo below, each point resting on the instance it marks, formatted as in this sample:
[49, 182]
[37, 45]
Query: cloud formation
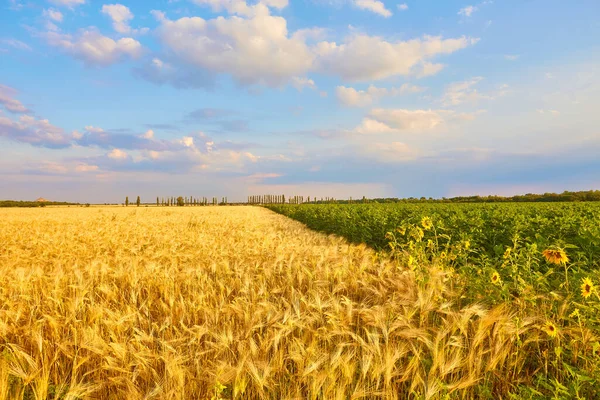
[464, 92]
[364, 58]
[36, 132]
[93, 48]
[467, 11]
[67, 3]
[351, 97]
[120, 15]
[255, 47]
[7, 99]
[374, 6]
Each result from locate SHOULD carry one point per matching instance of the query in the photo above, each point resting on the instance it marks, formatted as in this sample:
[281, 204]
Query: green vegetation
[537, 261]
[15, 203]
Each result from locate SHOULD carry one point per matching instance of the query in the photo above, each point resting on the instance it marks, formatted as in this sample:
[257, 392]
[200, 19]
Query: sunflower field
[540, 262]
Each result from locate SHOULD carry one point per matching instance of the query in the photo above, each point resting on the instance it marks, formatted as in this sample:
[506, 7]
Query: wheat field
[232, 302]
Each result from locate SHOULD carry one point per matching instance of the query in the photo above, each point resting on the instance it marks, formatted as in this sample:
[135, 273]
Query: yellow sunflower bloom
[426, 223]
[550, 329]
[495, 279]
[555, 256]
[587, 287]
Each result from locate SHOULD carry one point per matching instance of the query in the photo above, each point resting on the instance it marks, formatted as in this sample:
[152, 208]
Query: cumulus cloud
[351, 97]
[301, 83]
[53, 14]
[149, 134]
[465, 92]
[86, 168]
[467, 11]
[403, 7]
[117, 154]
[374, 6]
[120, 15]
[402, 120]
[93, 48]
[381, 120]
[98, 137]
[7, 99]
[253, 50]
[67, 3]
[257, 48]
[240, 7]
[428, 69]
[37, 132]
[363, 57]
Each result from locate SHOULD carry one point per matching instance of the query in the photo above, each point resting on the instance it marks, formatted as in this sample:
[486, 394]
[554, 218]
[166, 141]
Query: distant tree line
[16, 203]
[181, 201]
[566, 196]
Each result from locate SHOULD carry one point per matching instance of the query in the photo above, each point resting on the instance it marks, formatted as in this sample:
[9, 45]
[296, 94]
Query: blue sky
[339, 98]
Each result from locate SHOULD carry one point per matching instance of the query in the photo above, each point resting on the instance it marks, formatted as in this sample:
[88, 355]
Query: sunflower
[495, 278]
[587, 287]
[550, 329]
[555, 256]
[507, 253]
[426, 223]
[467, 244]
[411, 261]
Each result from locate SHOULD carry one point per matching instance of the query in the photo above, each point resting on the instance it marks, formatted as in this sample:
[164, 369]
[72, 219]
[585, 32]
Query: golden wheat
[230, 302]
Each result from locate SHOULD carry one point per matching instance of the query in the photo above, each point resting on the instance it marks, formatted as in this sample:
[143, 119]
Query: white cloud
[149, 134]
[76, 135]
[369, 125]
[429, 69]
[17, 44]
[7, 99]
[363, 57]
[375, 6]
[93, 129]
[467, 11]
[301, 83]
[95, 49]
[67, 3]
[257, 48]
[460, 92]
[120, 15]
[464, 92]
[511, 57]
[403, 7]
[86, 168]
[240, 7]
[117, 154]
[359, 98]
[254, 50]
[381, 120]
[400, 119]
[37, 132]
[53, 14]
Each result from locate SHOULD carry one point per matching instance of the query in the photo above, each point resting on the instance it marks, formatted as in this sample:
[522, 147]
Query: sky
[325, 98]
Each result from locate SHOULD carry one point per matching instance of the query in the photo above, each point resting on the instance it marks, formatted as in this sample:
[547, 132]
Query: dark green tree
[126, 201]
[180, 201]
[137, 202]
